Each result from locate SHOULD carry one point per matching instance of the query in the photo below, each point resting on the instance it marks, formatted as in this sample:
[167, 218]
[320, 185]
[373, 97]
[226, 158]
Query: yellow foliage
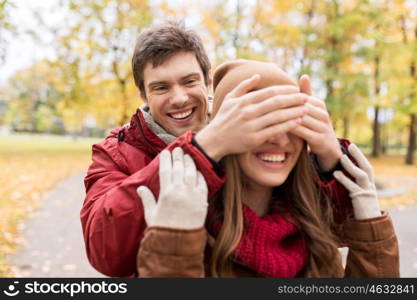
[30, 167]
[286, 35]
[283, 6]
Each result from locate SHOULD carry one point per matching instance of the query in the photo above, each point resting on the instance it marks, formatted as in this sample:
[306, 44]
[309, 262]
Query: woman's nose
[280, 139]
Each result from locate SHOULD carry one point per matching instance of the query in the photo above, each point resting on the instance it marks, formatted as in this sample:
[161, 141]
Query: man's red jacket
[112, 215]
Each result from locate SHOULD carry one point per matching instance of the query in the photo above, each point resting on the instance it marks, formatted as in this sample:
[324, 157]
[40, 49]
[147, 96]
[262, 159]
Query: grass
[31, 165]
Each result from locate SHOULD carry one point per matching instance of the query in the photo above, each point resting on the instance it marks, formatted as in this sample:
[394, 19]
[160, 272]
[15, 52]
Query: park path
[54, 245]
[405, 224]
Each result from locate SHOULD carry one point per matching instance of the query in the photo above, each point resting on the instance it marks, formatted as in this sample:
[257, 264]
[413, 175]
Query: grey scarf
[155, 127]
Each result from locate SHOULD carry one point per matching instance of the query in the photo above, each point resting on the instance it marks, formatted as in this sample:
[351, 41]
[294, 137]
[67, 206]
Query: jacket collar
[155, 127]
[139, 134]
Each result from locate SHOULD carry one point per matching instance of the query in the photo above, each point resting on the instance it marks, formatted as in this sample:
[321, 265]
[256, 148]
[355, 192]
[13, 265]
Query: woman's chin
[270, 181]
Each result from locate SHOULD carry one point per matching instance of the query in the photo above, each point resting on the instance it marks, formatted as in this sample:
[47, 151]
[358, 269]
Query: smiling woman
[274, 180]
[272, 217]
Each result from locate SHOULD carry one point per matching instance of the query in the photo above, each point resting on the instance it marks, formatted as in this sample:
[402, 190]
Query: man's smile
[182, 115]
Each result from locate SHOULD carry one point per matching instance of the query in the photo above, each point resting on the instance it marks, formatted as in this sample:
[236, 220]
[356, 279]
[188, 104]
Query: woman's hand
[317, 130]
[182, 201]
[363, 192]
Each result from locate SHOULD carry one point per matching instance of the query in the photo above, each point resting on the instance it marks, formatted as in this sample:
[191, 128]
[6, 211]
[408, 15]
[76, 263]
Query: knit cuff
[178, 242]
[368, 230]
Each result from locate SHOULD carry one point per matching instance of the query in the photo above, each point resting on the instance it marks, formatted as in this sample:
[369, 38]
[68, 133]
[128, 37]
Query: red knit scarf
[271, 245]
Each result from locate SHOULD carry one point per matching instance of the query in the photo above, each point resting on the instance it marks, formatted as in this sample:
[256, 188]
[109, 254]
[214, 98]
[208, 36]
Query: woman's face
[270, 164]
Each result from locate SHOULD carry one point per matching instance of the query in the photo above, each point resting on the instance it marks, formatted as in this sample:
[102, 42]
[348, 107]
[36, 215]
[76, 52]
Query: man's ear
[210, 83]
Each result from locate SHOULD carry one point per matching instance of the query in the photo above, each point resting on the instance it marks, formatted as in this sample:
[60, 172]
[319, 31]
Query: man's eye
[190, 82]
[159, 88]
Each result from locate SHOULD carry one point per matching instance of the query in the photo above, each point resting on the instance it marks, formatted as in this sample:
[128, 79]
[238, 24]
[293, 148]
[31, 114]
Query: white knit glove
[363, 192]
[182, 201]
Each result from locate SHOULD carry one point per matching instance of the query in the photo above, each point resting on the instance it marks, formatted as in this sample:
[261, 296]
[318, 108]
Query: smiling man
[171, 71]
[176, 93]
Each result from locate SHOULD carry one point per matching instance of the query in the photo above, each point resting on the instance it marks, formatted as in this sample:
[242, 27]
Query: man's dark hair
[157, 44]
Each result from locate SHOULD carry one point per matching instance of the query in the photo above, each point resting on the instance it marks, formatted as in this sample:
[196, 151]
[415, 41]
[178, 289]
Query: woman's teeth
[182, 115]
[272, 157]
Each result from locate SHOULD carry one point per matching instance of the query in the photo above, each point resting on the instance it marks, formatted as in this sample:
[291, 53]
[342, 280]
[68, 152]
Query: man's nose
[280, 139]
[179, 96]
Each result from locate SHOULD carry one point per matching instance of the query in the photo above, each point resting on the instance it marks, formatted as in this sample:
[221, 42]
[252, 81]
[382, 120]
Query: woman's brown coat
[165, 252]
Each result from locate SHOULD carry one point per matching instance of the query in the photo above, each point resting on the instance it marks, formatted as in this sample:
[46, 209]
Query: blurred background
[66, 79]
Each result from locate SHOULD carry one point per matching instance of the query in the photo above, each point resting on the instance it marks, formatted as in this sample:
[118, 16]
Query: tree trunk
[376, 129]
[346, 125]
[384, 138]
[122, 85]
[409, 159]
[329, 101]
[125, 103]
[376, 140]
[236, 34]
[306, 49]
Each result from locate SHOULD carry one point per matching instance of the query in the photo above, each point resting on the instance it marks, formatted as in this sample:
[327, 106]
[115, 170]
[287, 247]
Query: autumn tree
[407, 20]
[33, 100]
[335, 42]
[232, 30]
[97, 44]
[6, 26]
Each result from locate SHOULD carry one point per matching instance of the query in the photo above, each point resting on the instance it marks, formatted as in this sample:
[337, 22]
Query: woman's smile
[274, 159]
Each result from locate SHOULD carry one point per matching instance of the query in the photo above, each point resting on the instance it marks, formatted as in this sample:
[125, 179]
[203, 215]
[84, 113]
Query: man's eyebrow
[190, 75]
[157, 82]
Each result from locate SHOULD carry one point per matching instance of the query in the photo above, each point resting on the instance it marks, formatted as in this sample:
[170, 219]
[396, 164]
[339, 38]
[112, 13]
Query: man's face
[176, 93]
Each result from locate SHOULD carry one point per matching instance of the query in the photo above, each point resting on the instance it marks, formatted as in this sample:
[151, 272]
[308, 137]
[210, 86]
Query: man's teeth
[272, 157]
[182, 115]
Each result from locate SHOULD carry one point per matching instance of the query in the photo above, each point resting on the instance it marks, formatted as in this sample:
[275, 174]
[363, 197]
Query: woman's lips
[273, 159]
